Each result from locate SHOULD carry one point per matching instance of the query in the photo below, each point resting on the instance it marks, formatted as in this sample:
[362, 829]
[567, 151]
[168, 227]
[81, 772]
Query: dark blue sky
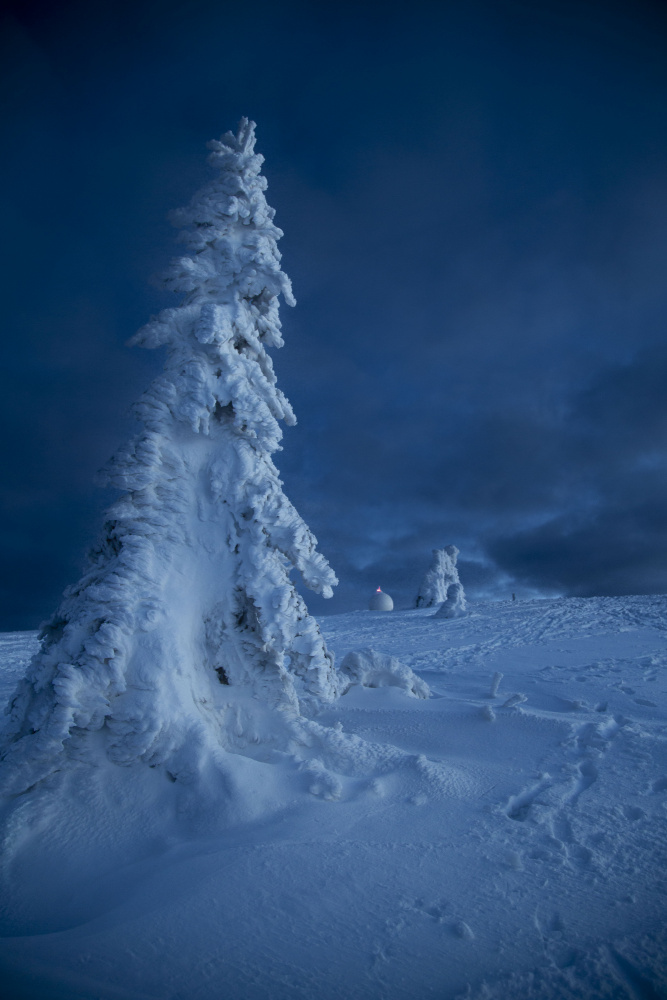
[474, 200]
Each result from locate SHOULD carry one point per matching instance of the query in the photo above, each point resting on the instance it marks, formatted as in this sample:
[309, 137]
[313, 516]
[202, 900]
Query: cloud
[475, 209]
[610, 536]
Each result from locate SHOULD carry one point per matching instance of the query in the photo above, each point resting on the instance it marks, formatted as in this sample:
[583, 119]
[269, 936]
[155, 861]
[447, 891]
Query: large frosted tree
[186, 625]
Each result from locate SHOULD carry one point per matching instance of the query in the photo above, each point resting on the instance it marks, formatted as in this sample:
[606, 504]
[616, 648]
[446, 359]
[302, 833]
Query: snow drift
[371, 669]
[454, 604]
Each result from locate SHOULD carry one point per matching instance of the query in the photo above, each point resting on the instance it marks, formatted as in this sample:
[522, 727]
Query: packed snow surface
[505, 837]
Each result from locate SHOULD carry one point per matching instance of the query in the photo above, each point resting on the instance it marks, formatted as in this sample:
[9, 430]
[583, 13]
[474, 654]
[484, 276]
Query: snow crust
[441, 575]
[506, 837]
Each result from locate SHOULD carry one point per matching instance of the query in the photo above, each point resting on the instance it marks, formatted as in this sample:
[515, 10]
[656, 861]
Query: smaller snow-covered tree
[455, 604]
[441, 575]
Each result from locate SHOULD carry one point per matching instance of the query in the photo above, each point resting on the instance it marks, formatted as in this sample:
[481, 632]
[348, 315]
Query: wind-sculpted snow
[442, 575]
[504, 838]
[373, 670]
[186, 617]
[454, 605]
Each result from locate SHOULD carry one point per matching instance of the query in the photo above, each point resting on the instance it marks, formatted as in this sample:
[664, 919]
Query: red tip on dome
[379, 590]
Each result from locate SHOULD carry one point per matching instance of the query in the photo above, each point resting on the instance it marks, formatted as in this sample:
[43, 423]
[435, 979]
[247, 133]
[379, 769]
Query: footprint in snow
[577, 855]
[597, 735]
[562, 831]
[519, 806]
[436, 911]
[587, 773]
[551, 925]
[633, 813]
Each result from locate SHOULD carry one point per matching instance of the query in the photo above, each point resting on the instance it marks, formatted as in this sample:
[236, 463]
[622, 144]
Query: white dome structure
[380, 602]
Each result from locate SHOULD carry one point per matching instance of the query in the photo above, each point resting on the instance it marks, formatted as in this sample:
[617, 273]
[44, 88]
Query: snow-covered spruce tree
[440, 576]
[186, 621]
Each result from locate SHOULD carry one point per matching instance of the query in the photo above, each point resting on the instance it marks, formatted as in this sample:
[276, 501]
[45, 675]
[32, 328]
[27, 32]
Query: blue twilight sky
[474, 201]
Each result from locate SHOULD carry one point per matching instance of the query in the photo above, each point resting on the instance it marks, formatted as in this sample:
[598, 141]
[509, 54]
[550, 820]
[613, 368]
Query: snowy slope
[519, 850]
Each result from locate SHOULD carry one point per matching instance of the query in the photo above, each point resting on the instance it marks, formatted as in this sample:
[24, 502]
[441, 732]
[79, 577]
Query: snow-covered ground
[519, 851]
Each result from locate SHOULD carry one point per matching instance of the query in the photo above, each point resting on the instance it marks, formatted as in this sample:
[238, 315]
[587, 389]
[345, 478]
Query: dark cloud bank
[474, 200]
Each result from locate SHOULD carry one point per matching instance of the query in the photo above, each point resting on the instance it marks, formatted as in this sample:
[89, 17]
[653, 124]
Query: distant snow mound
[455, 603]
[442, 574]
[371, 669]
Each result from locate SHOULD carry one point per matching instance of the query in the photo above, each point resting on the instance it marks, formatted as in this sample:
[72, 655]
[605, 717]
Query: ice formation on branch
[440, 576]
[186, 619]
